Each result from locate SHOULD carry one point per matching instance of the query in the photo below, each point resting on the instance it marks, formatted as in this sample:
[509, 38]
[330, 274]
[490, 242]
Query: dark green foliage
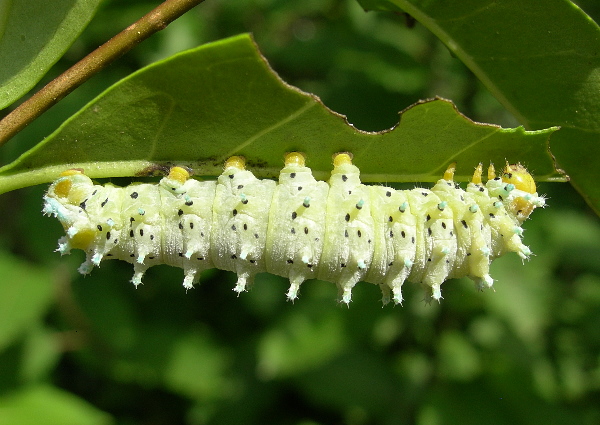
[94, 350]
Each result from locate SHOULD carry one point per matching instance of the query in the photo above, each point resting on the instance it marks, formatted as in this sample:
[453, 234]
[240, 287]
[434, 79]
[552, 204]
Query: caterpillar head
[525, 196]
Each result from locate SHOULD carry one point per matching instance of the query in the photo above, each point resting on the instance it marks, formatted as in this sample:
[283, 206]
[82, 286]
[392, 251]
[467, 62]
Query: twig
[99, 59]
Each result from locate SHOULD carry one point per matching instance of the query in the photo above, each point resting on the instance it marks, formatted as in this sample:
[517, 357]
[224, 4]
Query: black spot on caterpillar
[348, 231]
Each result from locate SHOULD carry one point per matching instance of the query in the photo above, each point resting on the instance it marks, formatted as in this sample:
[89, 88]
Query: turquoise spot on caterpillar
[339, 231]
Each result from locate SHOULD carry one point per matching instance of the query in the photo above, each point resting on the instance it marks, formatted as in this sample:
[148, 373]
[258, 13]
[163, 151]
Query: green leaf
[458, 360]
[49, 406]
[33, 36]
[289, 347]
[184, 373]
[41, 352]
[25, 294]
[204, 105]
[538, 58]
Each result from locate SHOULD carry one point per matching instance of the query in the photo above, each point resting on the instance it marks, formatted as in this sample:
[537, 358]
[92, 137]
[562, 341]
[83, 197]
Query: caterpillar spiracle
[339, 231]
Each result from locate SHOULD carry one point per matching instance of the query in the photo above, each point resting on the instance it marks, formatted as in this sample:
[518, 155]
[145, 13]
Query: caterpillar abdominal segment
[339, 231]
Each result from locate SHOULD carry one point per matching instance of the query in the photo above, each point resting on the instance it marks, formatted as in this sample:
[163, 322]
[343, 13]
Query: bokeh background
[94, 350]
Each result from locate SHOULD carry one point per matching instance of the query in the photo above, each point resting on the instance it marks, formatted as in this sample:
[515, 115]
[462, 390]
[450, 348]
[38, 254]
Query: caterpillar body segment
[348, 248]
[339, 231]
[239, 227]
[296, 230]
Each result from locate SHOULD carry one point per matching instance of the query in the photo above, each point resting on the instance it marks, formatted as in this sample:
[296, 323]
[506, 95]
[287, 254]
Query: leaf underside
[201, 106]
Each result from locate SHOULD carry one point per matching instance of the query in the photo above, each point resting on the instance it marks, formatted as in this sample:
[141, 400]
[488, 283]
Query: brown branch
[99, 59]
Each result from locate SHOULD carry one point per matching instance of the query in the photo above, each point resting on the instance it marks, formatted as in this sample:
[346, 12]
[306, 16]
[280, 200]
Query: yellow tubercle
[520, 177]
[342, 158]
[491, 172]
[63, 188]
[449, 174]
[236, 162]
[179, 174]
[71, 172]
[295, 158]
[82, 239]
[477, 174]
[522, 207]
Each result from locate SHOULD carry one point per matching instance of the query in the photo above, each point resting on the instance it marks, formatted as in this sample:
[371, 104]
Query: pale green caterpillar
[339, 231]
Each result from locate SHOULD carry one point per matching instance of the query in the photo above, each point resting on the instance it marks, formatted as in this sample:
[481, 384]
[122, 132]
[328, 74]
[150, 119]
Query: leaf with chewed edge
[201, 106]
[538, 58]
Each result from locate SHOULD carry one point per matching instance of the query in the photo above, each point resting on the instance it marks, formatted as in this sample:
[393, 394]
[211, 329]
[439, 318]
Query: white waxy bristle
[97, 258]
[240, 285]
[436, 292]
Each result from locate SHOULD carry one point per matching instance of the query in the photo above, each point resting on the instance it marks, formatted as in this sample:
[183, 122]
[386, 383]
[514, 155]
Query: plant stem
[96, 61]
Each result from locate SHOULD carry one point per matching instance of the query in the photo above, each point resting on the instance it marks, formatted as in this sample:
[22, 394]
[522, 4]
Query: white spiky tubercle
[339, 231]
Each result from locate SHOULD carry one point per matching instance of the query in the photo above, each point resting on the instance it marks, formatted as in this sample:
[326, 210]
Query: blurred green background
[94, 350]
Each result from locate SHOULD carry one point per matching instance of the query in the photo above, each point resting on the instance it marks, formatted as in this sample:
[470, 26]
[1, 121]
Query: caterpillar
[339, 231]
